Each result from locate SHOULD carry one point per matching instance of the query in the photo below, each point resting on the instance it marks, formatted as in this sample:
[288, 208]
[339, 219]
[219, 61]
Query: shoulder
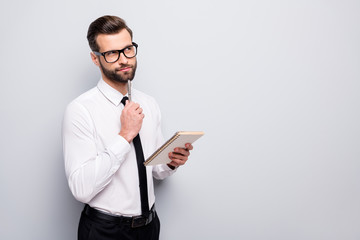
[79, 104]
[87, 96]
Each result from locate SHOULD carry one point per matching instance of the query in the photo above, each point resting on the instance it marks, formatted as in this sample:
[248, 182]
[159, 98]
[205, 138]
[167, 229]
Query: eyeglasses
[114, 55]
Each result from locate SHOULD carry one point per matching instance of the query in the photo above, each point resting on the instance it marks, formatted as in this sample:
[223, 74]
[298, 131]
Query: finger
[173, 164]
[132, 105]
[176, 162]
[177, 156]
[135, 106]
[139, 110]
[128, 105]
[189, 146]
[182, 151]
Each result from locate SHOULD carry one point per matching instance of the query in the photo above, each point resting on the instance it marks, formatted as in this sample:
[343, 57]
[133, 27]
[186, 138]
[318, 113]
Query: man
[106, 137]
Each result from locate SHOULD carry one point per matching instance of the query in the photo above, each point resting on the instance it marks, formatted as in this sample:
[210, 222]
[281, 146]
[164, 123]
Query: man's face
[124, 68]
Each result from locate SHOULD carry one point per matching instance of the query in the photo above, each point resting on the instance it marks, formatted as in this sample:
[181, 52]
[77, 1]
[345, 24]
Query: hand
[131, 120]
[179, 156]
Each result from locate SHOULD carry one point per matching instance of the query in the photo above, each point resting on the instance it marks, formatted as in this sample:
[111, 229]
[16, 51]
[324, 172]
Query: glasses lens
[130, 51]
[111, 56]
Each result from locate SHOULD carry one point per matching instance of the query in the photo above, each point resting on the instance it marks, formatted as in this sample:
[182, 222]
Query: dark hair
[105, 25]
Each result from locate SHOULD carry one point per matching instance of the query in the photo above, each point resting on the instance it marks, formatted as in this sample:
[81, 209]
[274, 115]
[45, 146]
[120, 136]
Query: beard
[118, 76]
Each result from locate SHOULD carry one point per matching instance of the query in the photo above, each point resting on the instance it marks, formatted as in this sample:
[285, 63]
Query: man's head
[106, 35]
[105, 25]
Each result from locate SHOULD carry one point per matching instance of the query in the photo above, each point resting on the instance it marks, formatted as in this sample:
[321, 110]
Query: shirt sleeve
[88, 170]
[160, 171]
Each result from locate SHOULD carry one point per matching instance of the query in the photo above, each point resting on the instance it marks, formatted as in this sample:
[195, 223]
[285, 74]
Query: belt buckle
[138, 221]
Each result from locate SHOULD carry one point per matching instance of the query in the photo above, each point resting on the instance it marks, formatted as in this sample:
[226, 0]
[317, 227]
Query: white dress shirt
[101, 165]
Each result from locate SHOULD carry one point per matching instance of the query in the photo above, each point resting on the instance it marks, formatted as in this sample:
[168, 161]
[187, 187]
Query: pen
[129, 89]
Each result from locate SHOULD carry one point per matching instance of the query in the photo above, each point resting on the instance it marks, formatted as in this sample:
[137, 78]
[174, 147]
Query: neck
[119, 86]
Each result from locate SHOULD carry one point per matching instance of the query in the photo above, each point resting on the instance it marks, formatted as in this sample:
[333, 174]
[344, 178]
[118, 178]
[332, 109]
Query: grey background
[274, 84]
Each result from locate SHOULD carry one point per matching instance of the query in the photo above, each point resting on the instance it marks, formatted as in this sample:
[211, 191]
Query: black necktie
[142, 172]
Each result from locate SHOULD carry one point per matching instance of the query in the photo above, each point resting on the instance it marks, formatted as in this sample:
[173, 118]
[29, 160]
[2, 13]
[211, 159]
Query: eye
[129, 49]
[111, 53]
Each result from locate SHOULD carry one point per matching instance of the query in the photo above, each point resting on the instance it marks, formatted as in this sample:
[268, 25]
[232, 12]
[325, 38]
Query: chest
[107, 125]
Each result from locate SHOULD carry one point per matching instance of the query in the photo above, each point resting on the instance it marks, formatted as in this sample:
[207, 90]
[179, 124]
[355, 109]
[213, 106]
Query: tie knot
[124, 100]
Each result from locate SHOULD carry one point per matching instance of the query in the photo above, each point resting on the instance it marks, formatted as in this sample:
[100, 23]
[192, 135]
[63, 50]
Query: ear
[95, 59]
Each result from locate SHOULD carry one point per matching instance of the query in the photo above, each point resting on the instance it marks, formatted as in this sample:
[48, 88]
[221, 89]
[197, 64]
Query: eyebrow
[119, 49]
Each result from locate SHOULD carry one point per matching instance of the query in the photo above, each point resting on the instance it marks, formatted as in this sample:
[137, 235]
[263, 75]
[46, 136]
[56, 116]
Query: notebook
[161, 156]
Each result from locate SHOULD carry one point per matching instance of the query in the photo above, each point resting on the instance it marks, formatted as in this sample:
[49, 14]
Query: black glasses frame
[119, 51]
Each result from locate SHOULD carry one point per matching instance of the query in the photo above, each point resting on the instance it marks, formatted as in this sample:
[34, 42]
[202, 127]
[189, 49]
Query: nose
[122, 59]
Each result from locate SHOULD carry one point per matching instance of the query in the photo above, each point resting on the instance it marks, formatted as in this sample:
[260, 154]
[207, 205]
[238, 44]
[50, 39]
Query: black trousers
[97, 229]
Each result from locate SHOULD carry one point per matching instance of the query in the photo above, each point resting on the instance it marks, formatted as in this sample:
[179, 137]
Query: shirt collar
[110, 93]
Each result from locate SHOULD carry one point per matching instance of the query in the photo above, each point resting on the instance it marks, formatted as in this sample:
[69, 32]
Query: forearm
[90, 167]
[92, 175]
[162, 171]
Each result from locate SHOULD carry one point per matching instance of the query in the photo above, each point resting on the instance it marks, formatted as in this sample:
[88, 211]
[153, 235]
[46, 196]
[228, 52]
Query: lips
[124, 69]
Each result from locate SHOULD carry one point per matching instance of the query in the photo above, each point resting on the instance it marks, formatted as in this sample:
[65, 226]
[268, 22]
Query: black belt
[134, 222]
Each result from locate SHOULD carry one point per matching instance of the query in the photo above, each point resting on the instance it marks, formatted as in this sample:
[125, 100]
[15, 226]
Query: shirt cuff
[119, 148]
[171, 168]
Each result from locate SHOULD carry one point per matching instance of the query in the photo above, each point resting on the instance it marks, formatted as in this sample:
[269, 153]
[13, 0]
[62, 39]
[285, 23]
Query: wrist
[171, 167]
[127, 137]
